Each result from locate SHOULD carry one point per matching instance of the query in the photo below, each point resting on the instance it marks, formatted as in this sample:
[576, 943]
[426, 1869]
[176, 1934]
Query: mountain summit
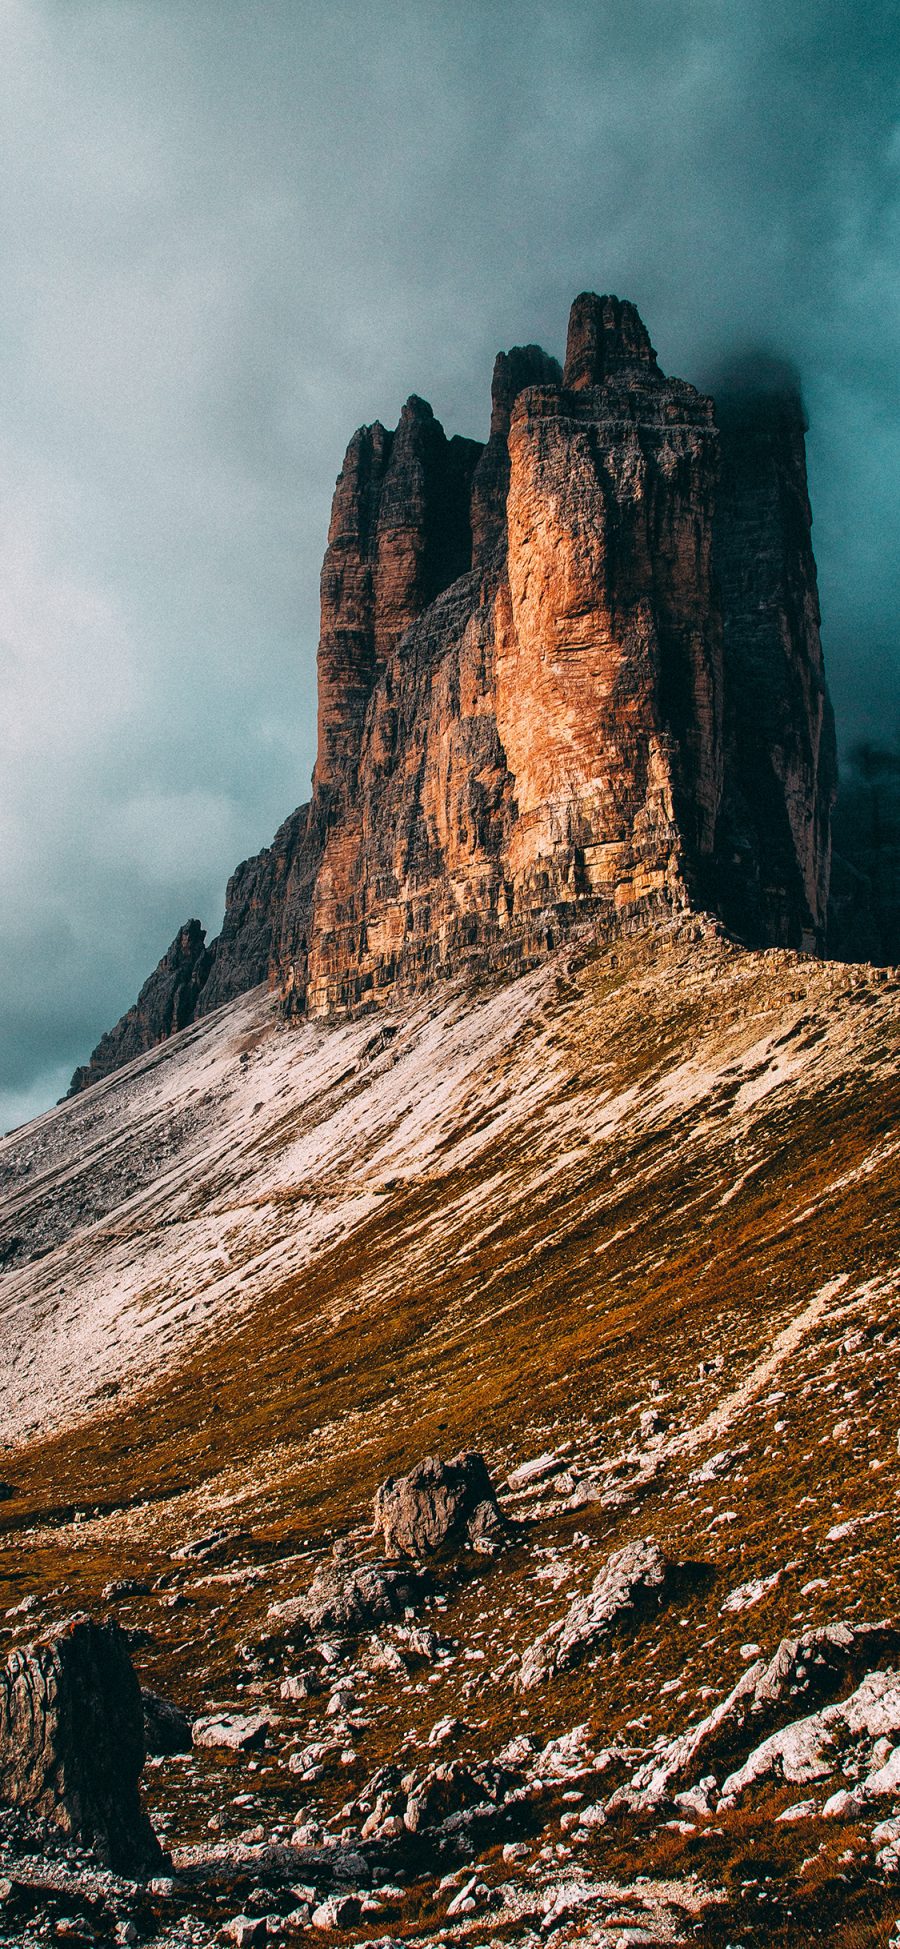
[571, 676]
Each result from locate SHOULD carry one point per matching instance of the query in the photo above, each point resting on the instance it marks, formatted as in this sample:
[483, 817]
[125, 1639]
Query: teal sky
[230, 231]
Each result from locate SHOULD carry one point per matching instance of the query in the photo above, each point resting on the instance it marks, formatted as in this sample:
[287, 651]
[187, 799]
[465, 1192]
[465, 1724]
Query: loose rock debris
[542, 1272]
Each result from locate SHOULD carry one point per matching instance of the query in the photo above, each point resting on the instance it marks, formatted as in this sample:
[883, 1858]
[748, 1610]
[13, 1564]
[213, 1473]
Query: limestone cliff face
[613, 705]
[571, 675]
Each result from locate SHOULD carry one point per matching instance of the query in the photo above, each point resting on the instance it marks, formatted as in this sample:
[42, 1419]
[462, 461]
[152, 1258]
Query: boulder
[440, 1506]
[338, 1912]
[72, 1741]
[240, 1732]
[352, 1597]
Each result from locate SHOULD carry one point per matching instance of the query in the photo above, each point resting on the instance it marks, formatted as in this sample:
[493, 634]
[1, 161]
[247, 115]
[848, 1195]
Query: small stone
[839, 1806]
[444, 1729]
[463, 1902]
[300, 1685]
[651, 1424]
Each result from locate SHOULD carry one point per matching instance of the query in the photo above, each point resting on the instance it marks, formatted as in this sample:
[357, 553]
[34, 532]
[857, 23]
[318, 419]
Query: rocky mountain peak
[567, 679]
[606, 338]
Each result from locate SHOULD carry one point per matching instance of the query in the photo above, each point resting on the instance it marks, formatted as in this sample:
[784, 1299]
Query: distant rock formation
[619, 708]
[167, 1002]
[573, 675]
[193, 978]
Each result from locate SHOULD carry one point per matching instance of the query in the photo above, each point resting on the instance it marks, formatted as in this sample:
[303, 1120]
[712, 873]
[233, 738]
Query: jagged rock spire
[606, 336]
[622, 711]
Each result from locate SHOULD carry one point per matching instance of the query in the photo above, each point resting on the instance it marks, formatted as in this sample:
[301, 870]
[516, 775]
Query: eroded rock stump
[72, 1741]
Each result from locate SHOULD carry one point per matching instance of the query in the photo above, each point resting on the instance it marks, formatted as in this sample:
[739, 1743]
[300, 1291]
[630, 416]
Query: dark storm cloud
[232, 231]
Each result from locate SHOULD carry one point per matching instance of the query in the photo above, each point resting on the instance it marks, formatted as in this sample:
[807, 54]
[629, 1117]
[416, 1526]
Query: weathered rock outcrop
[72, 1741]
[808, 1669]
[572, 676]
[634, 1580]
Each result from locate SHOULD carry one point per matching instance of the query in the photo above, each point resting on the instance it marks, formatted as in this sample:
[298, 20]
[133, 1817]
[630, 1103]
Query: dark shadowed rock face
[864, 909]
[439, 1506]
[192, 979]
[72, 1741]
[780, 775]
[572, 676]
[167, 1002]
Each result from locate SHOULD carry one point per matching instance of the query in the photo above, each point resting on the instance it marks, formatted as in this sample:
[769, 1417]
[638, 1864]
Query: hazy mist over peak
[230, 234]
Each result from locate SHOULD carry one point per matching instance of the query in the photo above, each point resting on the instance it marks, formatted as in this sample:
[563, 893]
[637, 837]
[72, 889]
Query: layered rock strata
[572, 676]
